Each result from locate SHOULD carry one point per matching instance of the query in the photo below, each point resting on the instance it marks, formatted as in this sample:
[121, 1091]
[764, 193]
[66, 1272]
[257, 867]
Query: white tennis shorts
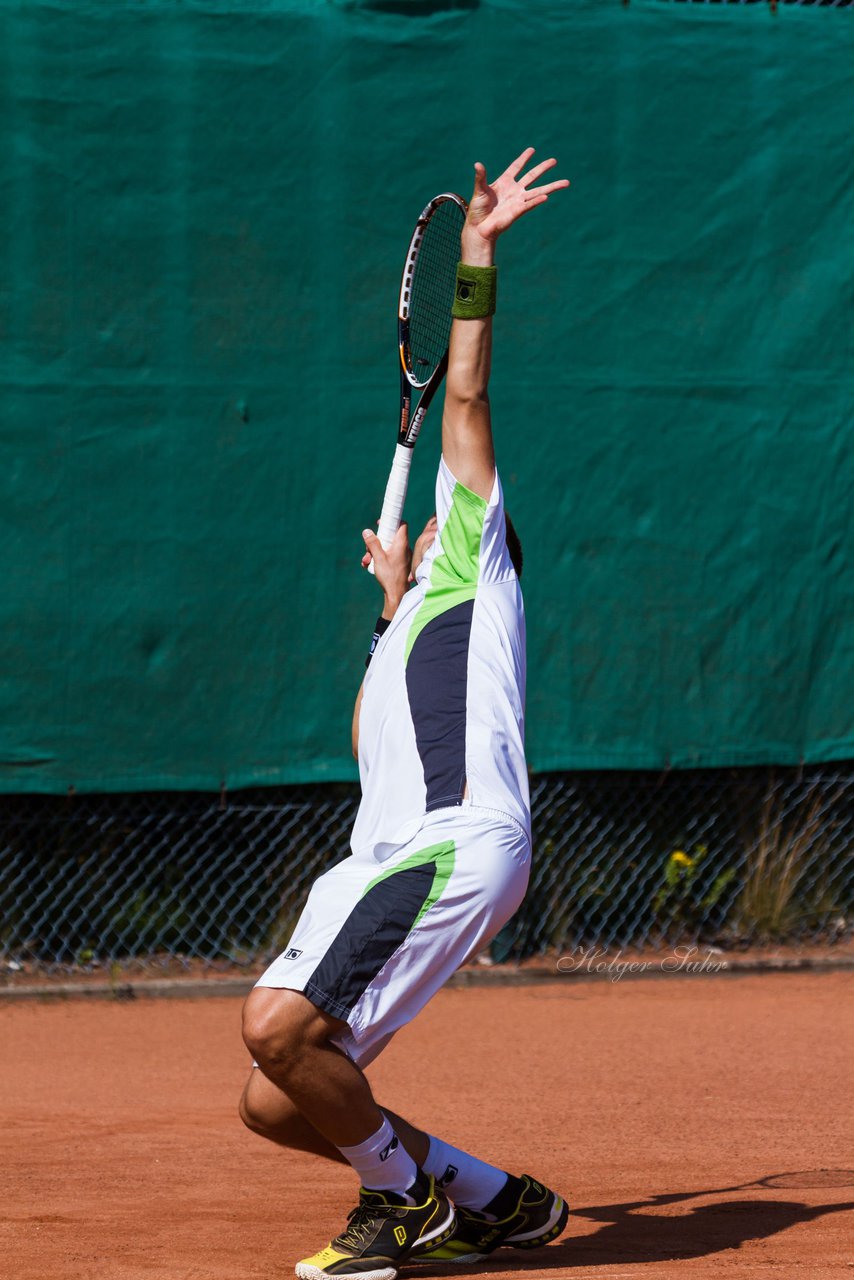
[377, 939]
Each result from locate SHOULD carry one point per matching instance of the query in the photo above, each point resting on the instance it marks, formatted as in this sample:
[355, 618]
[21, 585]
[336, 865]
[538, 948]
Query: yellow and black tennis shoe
[524, 1215]
[382, 1232]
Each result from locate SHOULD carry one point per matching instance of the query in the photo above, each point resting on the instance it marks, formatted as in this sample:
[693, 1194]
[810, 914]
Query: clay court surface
[652, 1103]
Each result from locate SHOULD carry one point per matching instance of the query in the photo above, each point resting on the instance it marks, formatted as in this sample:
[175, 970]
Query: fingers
[537, 171]
[373, 545]
[377, 552]
[553, 186]
[480, 183]
[533, 202]
[519, 163]
[401, 538]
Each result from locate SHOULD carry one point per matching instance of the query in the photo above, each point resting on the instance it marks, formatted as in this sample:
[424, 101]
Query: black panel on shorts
[370, 935]
[436, 682]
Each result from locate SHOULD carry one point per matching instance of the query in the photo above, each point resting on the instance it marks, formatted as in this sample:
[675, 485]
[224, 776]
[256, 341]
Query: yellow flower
[681, 859]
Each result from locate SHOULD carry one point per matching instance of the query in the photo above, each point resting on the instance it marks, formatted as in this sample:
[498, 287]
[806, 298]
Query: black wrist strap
[380, 628]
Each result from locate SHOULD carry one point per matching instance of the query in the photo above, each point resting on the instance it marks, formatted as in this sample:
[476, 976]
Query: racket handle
[395, 496]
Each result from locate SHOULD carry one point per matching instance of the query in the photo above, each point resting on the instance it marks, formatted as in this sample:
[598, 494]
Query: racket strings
[433, 287]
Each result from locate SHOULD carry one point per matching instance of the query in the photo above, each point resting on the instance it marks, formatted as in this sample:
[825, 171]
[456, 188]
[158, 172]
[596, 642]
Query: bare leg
[310, 1096]
[289, 1039]
[270, 1113]
[268, 1110]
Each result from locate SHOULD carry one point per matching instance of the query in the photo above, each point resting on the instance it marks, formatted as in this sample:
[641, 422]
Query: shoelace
[360, 1221]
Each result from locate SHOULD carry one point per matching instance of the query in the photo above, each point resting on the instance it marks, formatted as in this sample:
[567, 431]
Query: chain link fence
[639, 860]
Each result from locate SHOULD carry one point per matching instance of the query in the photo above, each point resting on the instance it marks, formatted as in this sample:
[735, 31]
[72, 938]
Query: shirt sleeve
[471, 543]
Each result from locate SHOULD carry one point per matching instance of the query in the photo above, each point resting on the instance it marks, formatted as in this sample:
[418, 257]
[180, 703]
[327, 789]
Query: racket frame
[410, 423]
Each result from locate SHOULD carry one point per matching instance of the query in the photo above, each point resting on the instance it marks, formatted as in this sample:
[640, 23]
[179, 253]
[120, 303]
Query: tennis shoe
[382, 1232]
[531, 1215]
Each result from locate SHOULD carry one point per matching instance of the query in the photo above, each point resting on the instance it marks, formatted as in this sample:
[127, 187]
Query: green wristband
[474, 296]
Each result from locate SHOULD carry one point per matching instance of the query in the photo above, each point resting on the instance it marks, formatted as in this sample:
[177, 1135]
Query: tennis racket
[423, 333]
[806, 1179]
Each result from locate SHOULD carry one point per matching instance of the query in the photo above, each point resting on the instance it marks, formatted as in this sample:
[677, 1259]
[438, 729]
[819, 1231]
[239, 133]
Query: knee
[267, 1036]
[279, 1027]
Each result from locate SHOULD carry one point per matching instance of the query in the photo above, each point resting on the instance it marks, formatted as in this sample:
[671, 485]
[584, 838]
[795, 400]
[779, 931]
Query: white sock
[465, 1179]
[382, 1162]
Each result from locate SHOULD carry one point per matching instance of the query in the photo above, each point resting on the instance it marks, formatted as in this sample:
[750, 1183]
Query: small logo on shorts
[292, 954]
[448, 1176]
[392, 1146]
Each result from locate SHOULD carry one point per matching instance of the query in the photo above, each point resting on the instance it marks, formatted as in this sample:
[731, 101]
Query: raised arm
[466, 425]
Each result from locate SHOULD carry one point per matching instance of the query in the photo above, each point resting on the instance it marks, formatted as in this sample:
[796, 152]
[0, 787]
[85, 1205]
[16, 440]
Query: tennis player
[441, 843]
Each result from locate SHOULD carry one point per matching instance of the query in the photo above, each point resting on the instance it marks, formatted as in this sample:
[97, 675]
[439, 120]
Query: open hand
[496, 206]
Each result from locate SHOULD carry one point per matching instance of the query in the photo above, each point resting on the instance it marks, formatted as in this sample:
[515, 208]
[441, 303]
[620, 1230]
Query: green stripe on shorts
[443, 855]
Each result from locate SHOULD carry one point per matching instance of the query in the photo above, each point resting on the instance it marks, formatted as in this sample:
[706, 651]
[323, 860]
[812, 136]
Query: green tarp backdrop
[204, 209]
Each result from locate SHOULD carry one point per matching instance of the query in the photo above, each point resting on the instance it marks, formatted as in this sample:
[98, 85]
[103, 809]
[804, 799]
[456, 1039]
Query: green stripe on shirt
[453, 574]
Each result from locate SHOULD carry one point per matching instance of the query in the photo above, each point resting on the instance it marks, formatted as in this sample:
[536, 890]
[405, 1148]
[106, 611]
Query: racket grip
[395, 496]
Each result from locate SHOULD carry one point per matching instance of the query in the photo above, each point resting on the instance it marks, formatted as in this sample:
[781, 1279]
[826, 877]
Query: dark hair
[514, 546]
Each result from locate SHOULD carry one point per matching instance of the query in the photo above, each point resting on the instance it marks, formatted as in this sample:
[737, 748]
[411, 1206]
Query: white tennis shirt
[443, 707]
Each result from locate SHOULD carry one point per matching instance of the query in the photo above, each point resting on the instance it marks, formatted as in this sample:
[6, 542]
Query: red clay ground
[649, 1102]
